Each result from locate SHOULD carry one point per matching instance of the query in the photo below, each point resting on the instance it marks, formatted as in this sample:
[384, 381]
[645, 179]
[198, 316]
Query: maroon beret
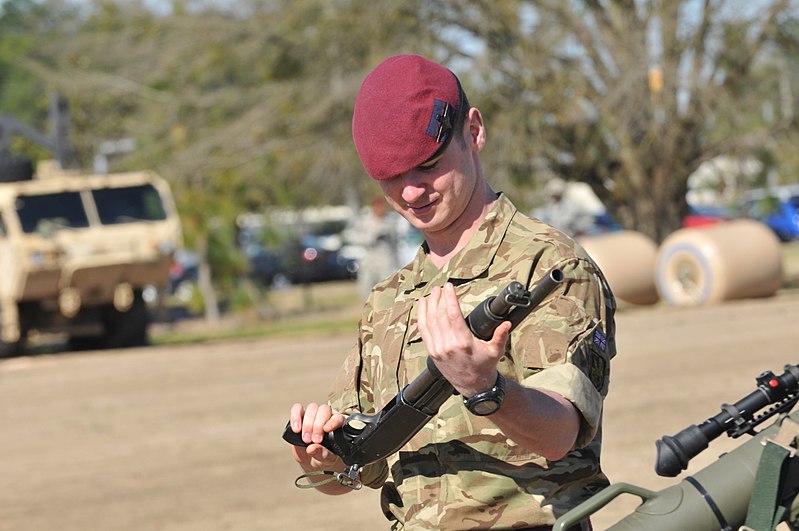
[404, 114]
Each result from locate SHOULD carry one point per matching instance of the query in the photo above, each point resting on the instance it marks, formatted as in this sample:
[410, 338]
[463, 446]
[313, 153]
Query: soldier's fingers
[321, 455]
[335, 422]
[431, 334]
[429, 305]
[453, 308]
[500, 336]
[460, 333]
[295, 417]
[323, 414]
[455, 331]
[308, 422]
[438, 312]
[438, 307]
[300, 454]
[421, 315]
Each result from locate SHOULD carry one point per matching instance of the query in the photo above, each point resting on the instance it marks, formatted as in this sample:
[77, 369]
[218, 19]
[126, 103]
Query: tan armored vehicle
[76, 253]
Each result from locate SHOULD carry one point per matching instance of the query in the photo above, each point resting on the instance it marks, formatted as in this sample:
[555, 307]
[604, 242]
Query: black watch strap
[487, 402]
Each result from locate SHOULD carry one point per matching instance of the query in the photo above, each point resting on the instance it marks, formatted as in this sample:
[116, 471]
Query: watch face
[485, 407]
[487, 402]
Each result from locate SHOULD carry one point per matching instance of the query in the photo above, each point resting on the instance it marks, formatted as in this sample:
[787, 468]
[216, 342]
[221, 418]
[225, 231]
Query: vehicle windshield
[45, 212]
[128, 204]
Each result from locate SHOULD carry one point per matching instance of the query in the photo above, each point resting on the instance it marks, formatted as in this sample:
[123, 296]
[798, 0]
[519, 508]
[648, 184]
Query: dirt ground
[187, 438]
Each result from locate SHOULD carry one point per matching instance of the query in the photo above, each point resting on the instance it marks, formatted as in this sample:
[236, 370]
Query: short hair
[462, 114]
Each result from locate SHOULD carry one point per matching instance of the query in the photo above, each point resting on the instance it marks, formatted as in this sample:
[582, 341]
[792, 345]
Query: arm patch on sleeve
[600, 340]
[597, 368]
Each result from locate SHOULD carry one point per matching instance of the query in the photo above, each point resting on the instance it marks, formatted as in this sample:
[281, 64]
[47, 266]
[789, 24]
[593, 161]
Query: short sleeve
[567, 345]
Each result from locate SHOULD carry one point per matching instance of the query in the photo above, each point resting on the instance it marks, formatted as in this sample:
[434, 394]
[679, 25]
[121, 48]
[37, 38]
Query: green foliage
[575, 98]
[20, 17]
[20, 92]
[247, 105]
[225, 258]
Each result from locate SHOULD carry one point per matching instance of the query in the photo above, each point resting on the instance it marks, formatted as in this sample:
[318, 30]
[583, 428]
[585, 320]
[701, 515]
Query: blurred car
[180, 290]
[602, 223]
[183, 270]
[180, 298]
[265, 266]
[306, 260]
[781, 214]
[705, 215]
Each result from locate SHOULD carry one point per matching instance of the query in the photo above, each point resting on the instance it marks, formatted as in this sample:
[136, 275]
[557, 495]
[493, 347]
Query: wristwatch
[487, 402]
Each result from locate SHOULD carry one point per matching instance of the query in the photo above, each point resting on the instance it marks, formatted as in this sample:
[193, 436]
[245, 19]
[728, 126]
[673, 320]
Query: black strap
[710, 503]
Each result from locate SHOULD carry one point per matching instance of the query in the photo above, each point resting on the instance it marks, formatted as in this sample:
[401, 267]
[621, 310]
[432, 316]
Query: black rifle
[364, 439]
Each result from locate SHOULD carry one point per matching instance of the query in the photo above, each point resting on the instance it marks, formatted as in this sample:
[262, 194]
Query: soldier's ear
[476, 129]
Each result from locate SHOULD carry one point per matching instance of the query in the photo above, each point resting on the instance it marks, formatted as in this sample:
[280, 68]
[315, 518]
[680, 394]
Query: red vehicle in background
[702, 216]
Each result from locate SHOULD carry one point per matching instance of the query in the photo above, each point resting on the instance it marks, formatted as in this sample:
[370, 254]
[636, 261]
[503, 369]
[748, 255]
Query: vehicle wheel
[79, 343]
[127, 329]
[783, 236]
[13, 348]
[281, 281]
[8, 350]
[14, 169]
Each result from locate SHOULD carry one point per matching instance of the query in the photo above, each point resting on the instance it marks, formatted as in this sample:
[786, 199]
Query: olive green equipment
[751, 488]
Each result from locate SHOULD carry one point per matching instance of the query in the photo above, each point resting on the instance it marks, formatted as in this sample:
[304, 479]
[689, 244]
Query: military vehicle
[76, 252]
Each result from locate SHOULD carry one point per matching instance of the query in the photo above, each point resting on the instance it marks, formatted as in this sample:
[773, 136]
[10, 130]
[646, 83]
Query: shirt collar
[471, 261]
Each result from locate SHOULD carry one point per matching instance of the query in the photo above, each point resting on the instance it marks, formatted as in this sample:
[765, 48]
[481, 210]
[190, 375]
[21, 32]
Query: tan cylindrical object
[735, 259]
[627, 258]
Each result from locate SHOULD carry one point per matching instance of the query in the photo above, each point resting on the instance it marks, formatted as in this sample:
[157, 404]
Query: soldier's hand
[313, 422]
[466, 361]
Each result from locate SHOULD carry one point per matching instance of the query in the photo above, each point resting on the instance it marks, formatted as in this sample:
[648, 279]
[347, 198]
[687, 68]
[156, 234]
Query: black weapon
[674, 452]
[364, 439]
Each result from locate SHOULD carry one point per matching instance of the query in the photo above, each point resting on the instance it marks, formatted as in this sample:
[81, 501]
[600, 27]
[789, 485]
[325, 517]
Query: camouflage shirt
[460, 471]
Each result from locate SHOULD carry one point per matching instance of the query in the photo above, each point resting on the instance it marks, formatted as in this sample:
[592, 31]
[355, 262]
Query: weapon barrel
[513, 304]
[545, 286]
[542, 289]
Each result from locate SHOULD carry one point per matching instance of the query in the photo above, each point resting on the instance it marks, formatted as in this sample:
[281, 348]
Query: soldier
[378, 234]
[562, 212]
[520, 444]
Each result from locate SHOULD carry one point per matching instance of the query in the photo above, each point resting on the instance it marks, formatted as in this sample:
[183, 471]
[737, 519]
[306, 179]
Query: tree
[249, 103]
[246, 105]
[21, 94]
[629, 96]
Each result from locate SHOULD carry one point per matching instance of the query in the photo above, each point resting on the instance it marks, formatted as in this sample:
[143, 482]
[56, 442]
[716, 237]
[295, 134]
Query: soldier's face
[432, 197]
[438, 197]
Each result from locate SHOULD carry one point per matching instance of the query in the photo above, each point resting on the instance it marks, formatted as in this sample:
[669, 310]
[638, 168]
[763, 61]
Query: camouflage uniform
[460, 471]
